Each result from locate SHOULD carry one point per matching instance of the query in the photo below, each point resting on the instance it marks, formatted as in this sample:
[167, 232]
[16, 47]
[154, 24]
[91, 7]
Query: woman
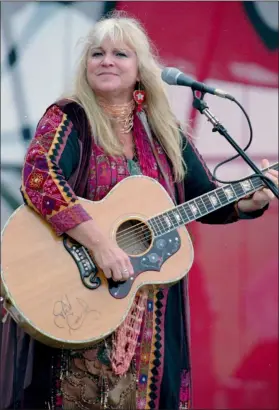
[83, 146]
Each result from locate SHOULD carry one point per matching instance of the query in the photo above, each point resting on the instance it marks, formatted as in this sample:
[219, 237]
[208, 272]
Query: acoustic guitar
[51, 285]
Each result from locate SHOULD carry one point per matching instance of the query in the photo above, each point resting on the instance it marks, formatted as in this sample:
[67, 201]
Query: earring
[139, 97]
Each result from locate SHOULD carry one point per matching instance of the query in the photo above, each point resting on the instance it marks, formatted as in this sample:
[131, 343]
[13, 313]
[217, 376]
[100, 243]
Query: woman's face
[112, 70]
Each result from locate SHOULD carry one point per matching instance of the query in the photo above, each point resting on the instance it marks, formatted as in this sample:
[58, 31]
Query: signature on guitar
[65, 316]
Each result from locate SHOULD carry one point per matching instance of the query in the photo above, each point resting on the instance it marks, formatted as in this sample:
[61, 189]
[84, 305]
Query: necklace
[122, 114]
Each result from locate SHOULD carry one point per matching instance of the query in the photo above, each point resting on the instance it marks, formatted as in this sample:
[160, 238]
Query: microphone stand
[200, 105]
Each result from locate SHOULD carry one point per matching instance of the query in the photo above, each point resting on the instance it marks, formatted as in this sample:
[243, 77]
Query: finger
[126, 267]
[269, 194]
[273, 176]
[265, 163]
[273, 172]
[129, 266]
[125, 273]
[124, 270]
[116, 275]
[107, 273]
[262, 196]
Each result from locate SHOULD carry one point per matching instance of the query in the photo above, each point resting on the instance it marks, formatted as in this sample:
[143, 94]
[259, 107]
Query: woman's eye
[96, 54]
[120, 54]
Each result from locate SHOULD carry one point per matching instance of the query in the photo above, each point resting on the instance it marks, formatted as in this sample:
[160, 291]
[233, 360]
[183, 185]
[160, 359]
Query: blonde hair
[163, 123]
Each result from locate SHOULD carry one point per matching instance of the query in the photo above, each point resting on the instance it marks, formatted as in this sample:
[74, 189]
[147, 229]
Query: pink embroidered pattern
[143, 351]
[43, 185]
[69, 218]
[105, 172]
[184, 398]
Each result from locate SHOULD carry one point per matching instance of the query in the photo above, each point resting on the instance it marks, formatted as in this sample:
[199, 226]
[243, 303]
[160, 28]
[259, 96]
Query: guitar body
[52, 290]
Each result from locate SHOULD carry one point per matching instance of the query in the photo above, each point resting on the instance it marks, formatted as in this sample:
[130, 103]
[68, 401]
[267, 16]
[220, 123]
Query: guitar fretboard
[204, 204]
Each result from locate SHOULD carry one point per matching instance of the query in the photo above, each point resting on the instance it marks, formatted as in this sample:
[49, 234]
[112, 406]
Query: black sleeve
[69, 159]
[198, 181]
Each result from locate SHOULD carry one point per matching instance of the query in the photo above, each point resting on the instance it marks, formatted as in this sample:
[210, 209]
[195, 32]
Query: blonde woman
[117, 123]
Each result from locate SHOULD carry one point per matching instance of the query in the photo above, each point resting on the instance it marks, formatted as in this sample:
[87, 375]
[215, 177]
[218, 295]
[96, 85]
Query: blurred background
[234, 46]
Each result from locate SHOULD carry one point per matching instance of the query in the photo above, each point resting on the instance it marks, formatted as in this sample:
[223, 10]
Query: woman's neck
[121, 115]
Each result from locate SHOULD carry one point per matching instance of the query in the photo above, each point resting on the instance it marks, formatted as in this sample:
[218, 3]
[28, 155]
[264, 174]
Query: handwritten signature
[66, 316]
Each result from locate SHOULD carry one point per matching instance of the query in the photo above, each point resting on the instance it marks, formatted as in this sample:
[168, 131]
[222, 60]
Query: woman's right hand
[113, 261]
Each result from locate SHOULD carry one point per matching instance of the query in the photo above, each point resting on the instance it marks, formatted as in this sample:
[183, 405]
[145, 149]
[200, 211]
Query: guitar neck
[205, 204]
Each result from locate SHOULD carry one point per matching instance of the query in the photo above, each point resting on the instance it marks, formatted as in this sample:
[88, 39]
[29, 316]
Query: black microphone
[173, 76]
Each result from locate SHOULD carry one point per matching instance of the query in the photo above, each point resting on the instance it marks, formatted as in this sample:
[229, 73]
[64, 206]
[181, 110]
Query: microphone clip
[198, 101]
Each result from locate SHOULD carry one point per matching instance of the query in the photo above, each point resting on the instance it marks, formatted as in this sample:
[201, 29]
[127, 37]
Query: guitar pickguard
[87, 268]
[163, 248]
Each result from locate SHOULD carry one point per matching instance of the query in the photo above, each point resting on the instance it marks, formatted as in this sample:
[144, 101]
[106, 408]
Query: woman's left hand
[262, 197]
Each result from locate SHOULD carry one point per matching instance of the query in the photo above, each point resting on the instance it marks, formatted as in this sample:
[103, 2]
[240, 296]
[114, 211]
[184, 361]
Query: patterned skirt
[84, 380]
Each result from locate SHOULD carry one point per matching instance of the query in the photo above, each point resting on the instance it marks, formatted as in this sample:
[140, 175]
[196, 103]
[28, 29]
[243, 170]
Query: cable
[238, 155]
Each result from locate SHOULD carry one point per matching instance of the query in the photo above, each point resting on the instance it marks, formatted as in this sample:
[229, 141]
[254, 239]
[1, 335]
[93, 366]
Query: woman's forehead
[108, 42]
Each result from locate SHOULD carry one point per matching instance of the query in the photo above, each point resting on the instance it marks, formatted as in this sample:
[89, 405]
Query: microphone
[173, 76]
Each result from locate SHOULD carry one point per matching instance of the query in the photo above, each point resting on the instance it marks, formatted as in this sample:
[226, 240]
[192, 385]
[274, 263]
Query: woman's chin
[107, 88]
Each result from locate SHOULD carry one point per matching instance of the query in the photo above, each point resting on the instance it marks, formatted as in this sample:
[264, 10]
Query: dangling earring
[139, 97]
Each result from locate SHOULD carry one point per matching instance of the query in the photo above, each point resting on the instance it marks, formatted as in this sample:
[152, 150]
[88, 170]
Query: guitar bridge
[87, 268]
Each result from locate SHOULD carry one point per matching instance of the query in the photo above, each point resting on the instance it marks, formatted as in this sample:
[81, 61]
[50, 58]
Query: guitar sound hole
[134, 237]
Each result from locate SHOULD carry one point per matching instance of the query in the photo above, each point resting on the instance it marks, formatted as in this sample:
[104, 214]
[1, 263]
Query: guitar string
[125, 235]
[128, 241]
[138, 228]
[143, 228]
[134, 229]
[257, 182]
[126, 238]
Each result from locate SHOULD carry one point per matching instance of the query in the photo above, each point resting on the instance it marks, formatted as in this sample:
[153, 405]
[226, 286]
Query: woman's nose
[107, 60]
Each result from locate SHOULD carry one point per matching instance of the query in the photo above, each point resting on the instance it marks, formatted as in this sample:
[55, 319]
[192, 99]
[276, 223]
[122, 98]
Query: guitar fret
[194, 209]
[232, 187]
[222, 196]
[201, 206]
[246, 185]
[180, 214]
[204, 204]
[214, 199]
[203, 199]
[172, 218]
[167, 221]
[207, 203]
[177, 216]
[188, 211]
[152, 225]
[229, 193]
[253, 183]
[183, 214]
[258, 183]
[162, 223]
[239, 190]
[158, 226]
